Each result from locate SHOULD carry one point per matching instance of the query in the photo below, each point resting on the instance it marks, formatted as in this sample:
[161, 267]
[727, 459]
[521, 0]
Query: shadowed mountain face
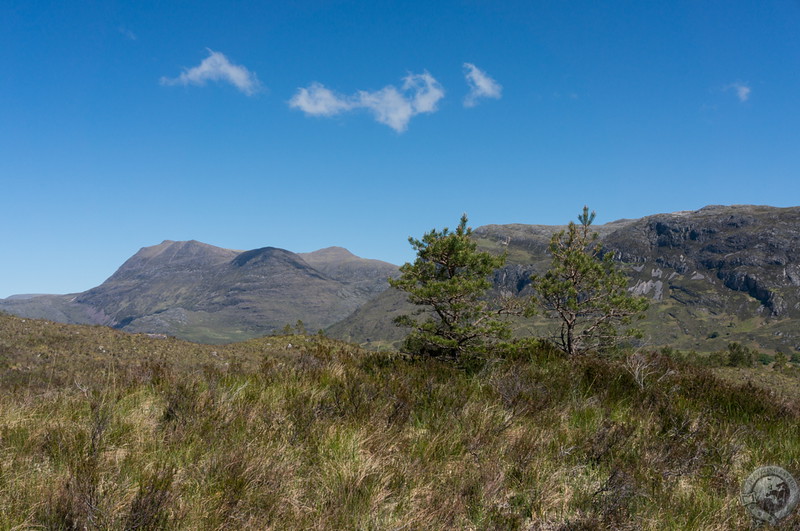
[206, 293]
[751, 250]
[716, 275]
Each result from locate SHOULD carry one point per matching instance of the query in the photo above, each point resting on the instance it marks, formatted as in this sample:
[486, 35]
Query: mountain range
[210, 294]
[715, 275]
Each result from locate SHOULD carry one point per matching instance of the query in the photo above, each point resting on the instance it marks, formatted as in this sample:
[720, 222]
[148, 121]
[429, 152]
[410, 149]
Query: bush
[739, 355]
[764, 358]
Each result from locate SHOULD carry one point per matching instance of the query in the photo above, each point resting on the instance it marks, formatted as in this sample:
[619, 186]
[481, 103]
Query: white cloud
[391, 106]
[480, 85]
[216, 67]
[316, 100]
[388, 106]
[427, 92]
[742, 91]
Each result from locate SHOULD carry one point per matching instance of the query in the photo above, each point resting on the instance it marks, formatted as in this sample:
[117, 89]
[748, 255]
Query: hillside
[205, 293]
[716, 275]
[101, 429]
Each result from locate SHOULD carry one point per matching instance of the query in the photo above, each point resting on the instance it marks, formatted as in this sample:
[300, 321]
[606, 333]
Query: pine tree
[585, 291]
[449, 281]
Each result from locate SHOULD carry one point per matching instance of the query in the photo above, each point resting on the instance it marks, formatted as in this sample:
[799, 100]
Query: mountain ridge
[199, 291]
[716, 274]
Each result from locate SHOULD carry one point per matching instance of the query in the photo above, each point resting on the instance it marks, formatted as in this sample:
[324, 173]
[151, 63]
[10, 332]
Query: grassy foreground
[104, 430]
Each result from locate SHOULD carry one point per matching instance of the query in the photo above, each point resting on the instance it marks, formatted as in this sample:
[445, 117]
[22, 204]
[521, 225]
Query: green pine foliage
[585, 292]
[740, 356]
[449, 281]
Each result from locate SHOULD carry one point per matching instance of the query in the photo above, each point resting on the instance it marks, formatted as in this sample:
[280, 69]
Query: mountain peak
[330, 253]
[173, 247]
[170, 254]
[264, 254]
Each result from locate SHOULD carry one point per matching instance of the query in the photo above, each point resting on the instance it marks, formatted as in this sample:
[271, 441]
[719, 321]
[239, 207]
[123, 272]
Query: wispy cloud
[427, 92]
[127, 33]
[480, 85]
[420, 93]
[742, 90]
[388, 106]
[216, 67]
[316, 100]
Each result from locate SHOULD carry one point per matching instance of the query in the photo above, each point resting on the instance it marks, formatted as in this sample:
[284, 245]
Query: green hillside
[101, 429]
[713, 276]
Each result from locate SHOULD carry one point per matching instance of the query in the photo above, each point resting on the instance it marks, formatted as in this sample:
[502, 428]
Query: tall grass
[159, 434]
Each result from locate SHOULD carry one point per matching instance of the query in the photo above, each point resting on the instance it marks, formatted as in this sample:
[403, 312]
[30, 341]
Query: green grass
[104, 430]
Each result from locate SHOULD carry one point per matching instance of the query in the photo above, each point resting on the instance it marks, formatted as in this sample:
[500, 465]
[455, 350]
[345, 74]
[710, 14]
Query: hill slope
[719, 274]
[106, 430]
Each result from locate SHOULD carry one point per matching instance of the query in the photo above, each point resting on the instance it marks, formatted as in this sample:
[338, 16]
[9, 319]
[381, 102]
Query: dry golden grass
[160, 434]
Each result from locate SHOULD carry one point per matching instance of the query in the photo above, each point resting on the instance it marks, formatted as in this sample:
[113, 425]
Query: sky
[308, 124]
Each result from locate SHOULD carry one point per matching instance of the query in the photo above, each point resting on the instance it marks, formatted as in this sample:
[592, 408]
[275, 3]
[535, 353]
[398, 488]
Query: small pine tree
[740, 356]
[449, 280]
[585, 291]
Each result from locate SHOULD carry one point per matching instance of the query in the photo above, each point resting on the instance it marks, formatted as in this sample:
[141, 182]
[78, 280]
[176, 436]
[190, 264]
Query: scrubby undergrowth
[103, 430]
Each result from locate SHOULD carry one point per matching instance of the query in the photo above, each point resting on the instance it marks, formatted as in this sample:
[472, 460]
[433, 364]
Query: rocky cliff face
[753, 250]
[748, 249]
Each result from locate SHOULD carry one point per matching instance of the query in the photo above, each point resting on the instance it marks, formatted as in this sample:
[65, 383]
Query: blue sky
[308, 124]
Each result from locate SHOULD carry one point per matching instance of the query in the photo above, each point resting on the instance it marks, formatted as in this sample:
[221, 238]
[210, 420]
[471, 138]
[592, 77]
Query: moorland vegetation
[101, 429]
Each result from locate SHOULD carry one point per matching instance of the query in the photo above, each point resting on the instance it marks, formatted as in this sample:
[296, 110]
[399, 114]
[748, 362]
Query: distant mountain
[197, 291]
[754, 251]
[716, 275]
[365, 275]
